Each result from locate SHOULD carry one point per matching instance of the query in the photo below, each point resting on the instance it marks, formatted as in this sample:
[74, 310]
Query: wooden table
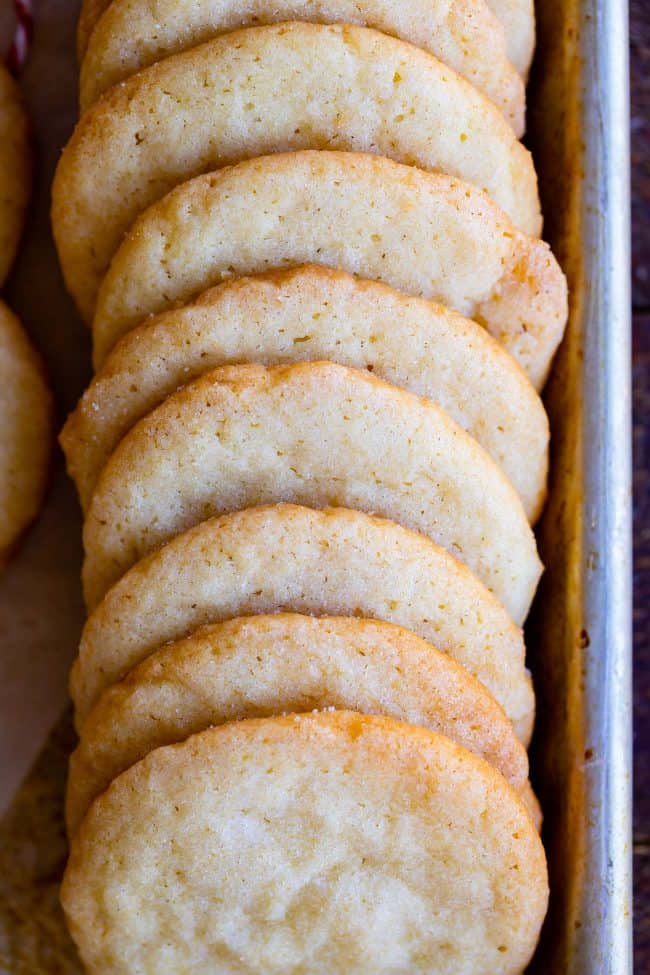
[640, 56]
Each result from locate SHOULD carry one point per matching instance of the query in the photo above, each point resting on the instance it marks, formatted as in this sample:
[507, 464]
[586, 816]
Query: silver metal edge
[604, 943]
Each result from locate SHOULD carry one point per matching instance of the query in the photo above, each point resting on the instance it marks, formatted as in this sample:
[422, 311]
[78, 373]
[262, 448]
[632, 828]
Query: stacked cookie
[25, 403]
[306, 238]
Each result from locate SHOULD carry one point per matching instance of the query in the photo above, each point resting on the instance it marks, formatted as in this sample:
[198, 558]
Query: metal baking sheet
[579, 633]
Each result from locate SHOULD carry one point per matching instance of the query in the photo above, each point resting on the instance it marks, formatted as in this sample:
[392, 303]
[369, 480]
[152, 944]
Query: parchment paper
[40, 598]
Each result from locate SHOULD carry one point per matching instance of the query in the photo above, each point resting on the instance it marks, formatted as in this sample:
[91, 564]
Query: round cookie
[422, 233]
[307, 314]
[519, 18]
[269, 89]
[318, 434]
[464, 34]
[287, 558]
[15, 170]
[260, 666]
[26, 429]
[329, 842]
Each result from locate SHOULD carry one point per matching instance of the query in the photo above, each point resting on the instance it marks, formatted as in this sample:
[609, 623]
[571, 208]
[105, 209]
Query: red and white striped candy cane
[22, 37]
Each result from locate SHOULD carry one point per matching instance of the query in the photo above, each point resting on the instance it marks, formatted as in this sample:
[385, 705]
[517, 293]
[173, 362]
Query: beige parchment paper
[41, 610]
[40, 599]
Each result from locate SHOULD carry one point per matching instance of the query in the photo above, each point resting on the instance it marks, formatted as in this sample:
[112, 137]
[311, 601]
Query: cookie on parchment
[273, 89]
[26, 431]
[288, 558]
[15, 170]
[328, 842]
[312, 313]
[464, 34]
[423, 233]
[261, 666]
[312, 433]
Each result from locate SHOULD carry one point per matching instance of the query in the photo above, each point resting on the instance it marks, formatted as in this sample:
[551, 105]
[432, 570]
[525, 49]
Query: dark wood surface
[640, 76]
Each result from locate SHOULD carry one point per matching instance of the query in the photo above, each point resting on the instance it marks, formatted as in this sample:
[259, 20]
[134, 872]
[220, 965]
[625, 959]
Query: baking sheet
[579, 634]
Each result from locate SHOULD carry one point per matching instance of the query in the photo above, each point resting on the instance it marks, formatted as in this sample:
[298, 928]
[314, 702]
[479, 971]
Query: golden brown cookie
[464, 34]
[312, 433]
[320, 843]
[287, 558]
[422, 233]
[260, 666]
[313, 313]
[26, 432]
[517, 18]
[273, 89]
